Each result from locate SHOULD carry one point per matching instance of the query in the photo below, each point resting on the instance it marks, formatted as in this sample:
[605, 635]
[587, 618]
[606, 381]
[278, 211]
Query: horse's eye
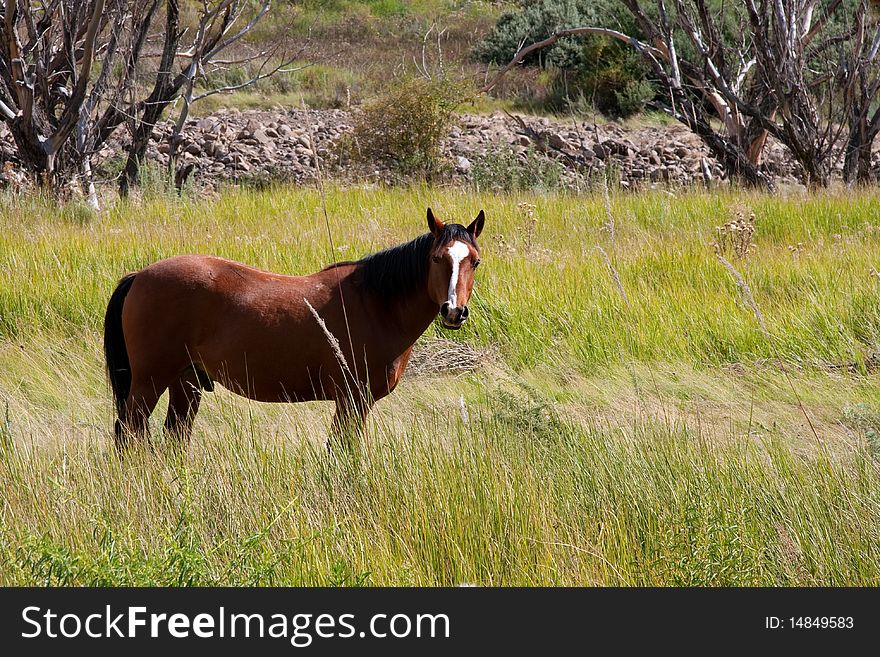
[476, 264]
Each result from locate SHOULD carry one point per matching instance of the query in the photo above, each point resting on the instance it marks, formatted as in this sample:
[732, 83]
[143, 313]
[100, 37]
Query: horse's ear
[476, 226]
[434, 224]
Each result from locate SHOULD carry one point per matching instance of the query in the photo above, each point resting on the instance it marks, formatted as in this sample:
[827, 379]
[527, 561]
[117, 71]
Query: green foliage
[590, 72]
[535, 20]
[526, 413]
[632, 97]
[505, 170]
[6, 435]
[863, 418]
[612, 80]
[78, 212]
[405, 126]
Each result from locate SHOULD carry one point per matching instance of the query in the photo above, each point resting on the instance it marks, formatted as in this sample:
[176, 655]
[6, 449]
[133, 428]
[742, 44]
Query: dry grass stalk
[441, 356]
[334, 343]
[746, 292]
[609, 224]
[615, 276]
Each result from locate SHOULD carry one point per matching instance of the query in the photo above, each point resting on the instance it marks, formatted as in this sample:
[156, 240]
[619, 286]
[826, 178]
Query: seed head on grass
[615, 276]
[334, 343]
[746, 292]
[734, 239]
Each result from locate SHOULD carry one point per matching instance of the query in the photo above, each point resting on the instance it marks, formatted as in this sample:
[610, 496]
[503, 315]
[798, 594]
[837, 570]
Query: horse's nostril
[444, 309]
[464, 313]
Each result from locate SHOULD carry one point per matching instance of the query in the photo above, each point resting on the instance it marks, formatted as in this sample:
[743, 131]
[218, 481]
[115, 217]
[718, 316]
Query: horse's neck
[414, 315]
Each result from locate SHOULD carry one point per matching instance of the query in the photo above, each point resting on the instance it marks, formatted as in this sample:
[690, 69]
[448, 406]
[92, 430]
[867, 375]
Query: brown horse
[343, 334]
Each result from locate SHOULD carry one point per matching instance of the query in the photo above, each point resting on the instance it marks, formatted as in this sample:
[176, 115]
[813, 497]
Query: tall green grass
[57, 267]
[663, 440]
[509, 499]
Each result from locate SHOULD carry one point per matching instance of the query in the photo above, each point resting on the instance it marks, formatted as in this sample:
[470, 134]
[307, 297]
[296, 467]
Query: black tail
[118, 367]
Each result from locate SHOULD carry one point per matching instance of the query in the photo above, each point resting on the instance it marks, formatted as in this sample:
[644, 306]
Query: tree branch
[561, 34]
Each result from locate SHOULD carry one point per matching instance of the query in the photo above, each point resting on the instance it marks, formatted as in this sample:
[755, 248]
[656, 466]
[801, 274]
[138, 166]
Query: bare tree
[798, 65]
[45, 66]
[691, 86]
[861, 82]
[780, 77]
[73, 72]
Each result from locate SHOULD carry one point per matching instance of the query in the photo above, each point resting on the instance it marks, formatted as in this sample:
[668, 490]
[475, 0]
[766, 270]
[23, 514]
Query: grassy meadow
[629, 421]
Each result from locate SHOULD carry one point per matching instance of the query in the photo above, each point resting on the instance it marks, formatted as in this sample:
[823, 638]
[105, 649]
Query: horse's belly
[297, 386]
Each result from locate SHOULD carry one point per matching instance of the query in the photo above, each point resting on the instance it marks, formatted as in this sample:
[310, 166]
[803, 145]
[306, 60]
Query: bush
[404, 128]
[634, 96]
[505, 170]
[590, 72]
[534, 21]
[613, 82]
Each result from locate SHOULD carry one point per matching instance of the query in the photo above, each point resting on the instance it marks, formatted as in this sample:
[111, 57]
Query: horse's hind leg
[184, 396]
[141, 402]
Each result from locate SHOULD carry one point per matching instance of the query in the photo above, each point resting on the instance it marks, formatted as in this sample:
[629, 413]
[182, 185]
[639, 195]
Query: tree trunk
[88, 183]
[857, 160]
[733, 159]
[131, 174]
[29, 149]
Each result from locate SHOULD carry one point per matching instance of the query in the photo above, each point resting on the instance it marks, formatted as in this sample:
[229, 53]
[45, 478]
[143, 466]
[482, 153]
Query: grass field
[640, 432]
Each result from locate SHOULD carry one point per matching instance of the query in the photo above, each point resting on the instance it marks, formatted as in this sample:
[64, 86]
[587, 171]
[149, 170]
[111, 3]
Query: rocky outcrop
[287, 145]
[637, 156]
[231, 145]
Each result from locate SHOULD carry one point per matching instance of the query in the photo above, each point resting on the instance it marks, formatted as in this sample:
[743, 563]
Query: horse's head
[453, 259]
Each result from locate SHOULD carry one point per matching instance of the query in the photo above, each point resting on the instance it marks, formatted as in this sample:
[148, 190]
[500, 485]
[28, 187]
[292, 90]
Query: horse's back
[207, 271]
[249, 329]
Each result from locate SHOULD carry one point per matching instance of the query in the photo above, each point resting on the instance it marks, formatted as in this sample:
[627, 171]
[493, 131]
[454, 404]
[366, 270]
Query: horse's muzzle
[453, 318]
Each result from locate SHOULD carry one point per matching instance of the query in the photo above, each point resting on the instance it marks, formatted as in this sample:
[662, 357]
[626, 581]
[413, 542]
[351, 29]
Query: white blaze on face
[458, 252]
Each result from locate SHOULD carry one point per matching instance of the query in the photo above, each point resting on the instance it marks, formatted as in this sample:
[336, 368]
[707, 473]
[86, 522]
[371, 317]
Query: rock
[523, 140]
[260, 136]
[249, 130]
[193, 149]
[463, 164]
[615, 147]
[556, 141]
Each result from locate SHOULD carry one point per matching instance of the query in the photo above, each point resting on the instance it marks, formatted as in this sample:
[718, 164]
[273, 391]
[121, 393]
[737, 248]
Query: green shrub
[404, 128]
[634, 96]
[613, 82]
[590, 72]
[505, 170]
[536, 20]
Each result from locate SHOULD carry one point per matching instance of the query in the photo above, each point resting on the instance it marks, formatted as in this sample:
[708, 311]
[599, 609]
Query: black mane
[400, 270]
